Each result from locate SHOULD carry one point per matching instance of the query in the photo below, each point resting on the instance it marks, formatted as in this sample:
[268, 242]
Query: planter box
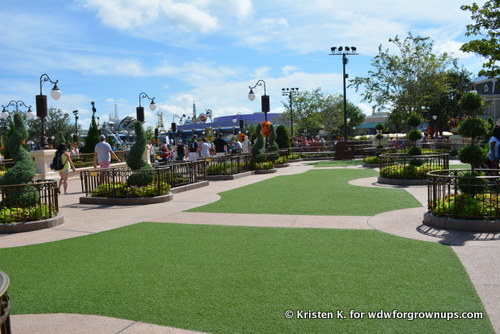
[126, 200]
[473, 225]
[32, 226]
[265, 171]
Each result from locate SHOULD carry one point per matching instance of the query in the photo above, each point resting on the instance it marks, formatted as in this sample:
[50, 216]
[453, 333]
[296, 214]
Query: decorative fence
[405, 166]
[458, 194]
[4, 304]
[87, 159]
[175, 174]
[228, 164]
[28, 202]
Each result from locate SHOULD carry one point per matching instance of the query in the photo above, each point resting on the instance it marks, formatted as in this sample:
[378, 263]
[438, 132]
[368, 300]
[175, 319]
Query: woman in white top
[493, 146]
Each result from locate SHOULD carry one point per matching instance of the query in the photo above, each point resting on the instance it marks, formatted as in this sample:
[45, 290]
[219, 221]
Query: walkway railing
[402, 165]
[175, 174]
[4, 304]
[458, 194]
[228, 164]
[28, 202]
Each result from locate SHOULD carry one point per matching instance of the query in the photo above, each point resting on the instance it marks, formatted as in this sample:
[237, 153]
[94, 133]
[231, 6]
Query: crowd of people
[197, 148]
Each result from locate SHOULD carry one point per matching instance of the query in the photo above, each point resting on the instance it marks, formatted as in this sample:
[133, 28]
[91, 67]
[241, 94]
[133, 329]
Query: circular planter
[281, 165]
[402, 182]
[32, 226]
[126, 200]
[295, 160]
[473, 225]
[265, 171]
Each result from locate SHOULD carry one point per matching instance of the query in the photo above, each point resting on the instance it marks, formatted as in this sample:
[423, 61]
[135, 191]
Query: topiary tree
[92, 135]
[135, 159]
[472, 127]
[23, 171]
[472, 104]
[257, 149]
[413, 121]
[283, 139]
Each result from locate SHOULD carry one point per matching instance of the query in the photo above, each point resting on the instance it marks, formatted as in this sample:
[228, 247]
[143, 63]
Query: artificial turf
[336, 163]
[316, 192]
[226, 279]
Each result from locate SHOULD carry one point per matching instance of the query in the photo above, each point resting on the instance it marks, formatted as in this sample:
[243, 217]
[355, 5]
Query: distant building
[224, 124]
[489, 89]
[372, 120]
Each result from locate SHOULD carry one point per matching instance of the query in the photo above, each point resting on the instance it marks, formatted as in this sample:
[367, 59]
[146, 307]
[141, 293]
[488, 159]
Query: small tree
[24, 169]
[92, 135]
[135, 160]
[283, 139]
[257, 149]
[472, 127]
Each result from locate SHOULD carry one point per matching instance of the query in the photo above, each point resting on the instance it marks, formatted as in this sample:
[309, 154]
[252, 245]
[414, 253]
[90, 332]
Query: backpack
[193, 146]
[57, 163]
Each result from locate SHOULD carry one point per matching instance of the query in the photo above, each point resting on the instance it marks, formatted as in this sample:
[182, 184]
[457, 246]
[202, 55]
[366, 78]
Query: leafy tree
[487, 27]
[408, 80]
[306, 107]
[57, 124]
[332, 115]
[283, 139]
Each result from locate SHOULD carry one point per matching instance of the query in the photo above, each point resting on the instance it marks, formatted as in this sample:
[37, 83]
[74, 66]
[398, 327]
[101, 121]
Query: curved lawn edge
[324, 192]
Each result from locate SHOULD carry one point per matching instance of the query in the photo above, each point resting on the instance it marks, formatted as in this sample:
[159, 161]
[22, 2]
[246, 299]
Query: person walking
[205, 148]
[220, 145]
[68, 165]
[181, 151]
[193, 148]
[493, 151]
[103, 153]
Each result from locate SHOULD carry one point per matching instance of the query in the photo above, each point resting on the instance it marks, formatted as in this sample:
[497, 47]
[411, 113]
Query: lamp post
[290, 92]
[140, 109]
[17, 104]
[41, 106]
[264, 98]
[344, 51]
[348, 120]
[75, 137]
[434, 118]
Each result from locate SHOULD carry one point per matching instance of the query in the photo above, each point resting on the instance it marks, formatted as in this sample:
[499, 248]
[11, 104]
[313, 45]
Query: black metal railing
[82, 160]
[405, 166]
[4, 304]
[175, 174]
[461, 194]
[228, 164]
[28, 202]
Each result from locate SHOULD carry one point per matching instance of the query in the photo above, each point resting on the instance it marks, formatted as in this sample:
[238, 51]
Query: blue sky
[209, 51]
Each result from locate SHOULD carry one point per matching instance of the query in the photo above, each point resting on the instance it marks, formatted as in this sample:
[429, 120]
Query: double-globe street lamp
[17, 104]
[264, 98]
[41, 106]
[344, 51]
[290, 92]
[140, 109]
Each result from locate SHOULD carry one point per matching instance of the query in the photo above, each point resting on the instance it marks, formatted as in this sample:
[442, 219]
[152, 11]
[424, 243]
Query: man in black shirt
[220, 145]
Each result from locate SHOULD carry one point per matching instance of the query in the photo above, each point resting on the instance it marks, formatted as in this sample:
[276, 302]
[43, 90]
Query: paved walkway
[479, 253]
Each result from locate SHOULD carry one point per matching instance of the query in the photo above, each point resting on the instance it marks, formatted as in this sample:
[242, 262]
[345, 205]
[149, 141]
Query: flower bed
[471, 198]
[401, 166]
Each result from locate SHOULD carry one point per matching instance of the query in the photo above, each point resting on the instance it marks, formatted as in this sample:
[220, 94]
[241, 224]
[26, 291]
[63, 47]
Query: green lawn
[336, 163]
[316, 192]
[226, 279]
